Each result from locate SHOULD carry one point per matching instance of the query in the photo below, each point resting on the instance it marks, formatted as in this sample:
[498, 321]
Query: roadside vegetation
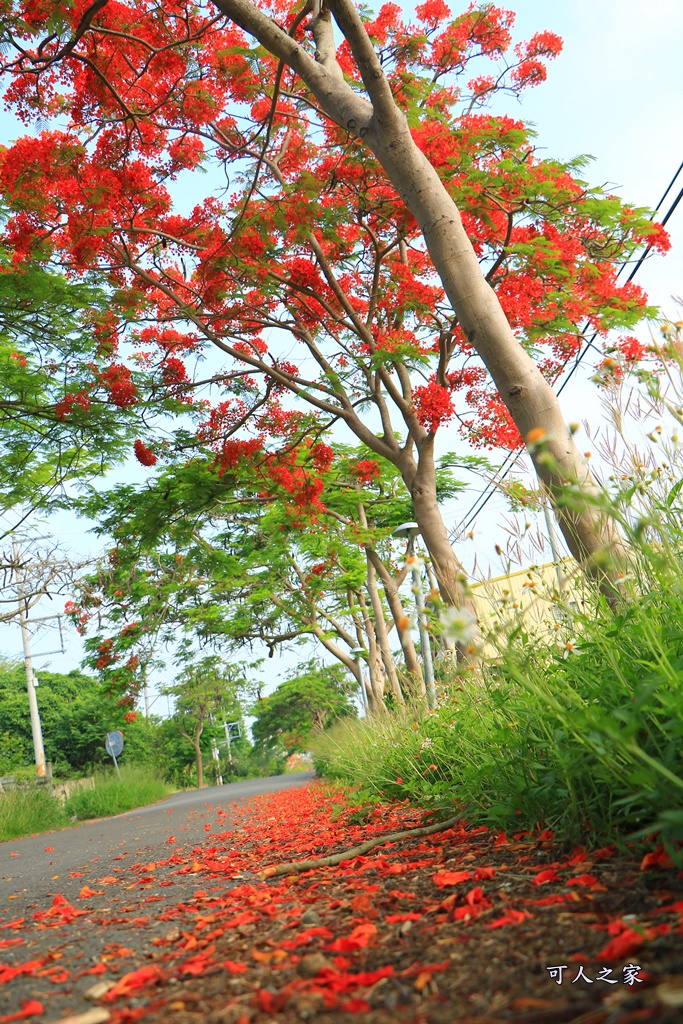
[583, 735]
[576, 727]
[137, 787]
[23, 812]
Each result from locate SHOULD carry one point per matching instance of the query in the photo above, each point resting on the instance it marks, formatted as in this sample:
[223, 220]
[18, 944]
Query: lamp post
[356, 654]
[409, 531]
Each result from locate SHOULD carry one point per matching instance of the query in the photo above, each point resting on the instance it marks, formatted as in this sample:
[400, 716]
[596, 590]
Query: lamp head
[406, 531]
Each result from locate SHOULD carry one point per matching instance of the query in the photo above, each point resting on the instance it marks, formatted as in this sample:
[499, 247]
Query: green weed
[23, 812]
[138, 787]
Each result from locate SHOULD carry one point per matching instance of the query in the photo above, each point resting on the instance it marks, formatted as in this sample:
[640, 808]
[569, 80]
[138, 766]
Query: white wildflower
[459, 624]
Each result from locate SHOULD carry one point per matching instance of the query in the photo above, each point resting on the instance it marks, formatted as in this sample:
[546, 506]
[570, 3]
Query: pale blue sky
[615, 92]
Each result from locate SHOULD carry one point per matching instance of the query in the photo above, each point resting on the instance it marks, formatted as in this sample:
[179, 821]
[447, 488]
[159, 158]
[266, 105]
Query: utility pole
[30, 677]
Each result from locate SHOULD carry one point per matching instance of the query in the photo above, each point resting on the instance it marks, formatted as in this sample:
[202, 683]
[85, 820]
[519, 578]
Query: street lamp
[409, 531]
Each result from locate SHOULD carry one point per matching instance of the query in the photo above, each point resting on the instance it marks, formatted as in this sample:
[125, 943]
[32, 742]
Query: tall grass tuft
[138, 787]
[23, 812]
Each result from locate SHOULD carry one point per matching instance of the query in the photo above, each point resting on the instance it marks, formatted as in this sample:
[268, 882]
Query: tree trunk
[372, 690]
[398, 614]
[381, 631]
[384, 129]
[200, 764]
[194, 741]
[447, 568]
[375, 662]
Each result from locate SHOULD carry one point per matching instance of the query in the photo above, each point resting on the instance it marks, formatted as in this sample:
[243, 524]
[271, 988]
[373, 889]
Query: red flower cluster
[433, 405]
[65, 405]
[365, 470]
[322, 456]
[119, 383]
[631, 349]
[173, 371]
[106, 654]
[143, 454]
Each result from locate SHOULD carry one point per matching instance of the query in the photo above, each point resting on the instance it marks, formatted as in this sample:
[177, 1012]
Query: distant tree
[312, 698]
[205, 688]
[76, 715]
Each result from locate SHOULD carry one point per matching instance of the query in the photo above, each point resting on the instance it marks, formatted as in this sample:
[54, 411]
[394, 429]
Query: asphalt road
[30, 877]
[124, 915]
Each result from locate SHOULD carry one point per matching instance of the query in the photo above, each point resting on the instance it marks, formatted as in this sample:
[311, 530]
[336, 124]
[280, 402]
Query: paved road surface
[31, 875]
[28, 879]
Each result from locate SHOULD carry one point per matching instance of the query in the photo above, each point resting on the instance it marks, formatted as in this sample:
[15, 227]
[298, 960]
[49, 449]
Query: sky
[616, 93]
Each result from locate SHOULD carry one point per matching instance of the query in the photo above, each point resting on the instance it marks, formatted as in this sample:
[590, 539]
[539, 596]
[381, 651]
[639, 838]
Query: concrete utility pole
[38, 749]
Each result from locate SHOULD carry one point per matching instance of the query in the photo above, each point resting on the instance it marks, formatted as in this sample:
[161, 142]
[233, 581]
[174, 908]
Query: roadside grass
[138, 787]
[589, 745]
[23, 812]
[579, 730]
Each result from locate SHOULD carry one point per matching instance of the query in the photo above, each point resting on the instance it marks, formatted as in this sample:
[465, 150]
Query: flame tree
[373, 248]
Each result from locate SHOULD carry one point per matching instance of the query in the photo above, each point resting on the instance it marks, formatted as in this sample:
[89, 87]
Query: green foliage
[307, 701]
[76, 715]
[50, 350]
[25, 811]
[138, 787]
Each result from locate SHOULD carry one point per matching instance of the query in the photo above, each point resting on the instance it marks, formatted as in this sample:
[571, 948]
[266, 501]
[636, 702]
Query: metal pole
[226, 726]
[359, 670]
[552, 537]
[116, 763]
[38, 748]
[425, 642]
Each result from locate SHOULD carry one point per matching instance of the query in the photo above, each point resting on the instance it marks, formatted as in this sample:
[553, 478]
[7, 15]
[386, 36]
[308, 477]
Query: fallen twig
[297, 866]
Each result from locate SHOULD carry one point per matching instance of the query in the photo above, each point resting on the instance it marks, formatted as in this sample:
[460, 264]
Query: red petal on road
[30, 1009]
[547, 875]
[443, 878]
[135, 980]
[86, 892]
[233, 966]
[512, 917]
[358, 939]
[623, 945]
[482, 874]
[659, 858]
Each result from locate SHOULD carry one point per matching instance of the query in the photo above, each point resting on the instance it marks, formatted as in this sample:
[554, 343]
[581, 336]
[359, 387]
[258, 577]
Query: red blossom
[143, 454]
[433, 405]
[119, 383]
[365, 470]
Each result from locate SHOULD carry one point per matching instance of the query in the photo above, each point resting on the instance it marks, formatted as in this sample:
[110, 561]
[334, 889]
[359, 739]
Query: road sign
[114, 743]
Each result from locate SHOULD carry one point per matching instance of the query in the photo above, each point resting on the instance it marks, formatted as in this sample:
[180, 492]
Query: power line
[512, 458]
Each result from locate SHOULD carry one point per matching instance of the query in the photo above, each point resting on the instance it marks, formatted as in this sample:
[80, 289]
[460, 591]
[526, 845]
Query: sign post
[113, 744]
[232, 731]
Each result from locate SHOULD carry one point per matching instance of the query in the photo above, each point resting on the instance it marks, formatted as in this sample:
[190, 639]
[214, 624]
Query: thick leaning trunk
[384, 129]
[529, 398]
